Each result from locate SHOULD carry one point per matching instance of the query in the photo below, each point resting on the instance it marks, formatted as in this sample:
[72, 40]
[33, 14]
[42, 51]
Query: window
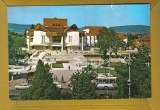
[70, 38]
[43, 39]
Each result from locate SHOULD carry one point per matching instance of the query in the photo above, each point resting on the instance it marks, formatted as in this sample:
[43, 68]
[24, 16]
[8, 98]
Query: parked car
[22, 86]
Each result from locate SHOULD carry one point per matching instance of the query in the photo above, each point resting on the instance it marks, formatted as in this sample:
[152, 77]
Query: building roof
[145, 40]
[51, 31]
[121, 35]
[72, 28]
[40, 27]
[55, 31]
[75, 28]
[55, 22]
[93, 30]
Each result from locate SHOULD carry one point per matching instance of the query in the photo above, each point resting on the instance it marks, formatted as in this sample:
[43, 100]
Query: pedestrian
[69, 67]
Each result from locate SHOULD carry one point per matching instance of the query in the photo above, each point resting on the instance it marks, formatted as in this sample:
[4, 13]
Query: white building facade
[91, 36]
[54, 34]
[55, 37]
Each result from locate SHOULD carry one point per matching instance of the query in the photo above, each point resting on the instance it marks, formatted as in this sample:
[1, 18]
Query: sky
[83, 15]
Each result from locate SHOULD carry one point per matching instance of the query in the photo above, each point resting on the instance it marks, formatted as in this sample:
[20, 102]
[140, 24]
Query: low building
[91, 36]
[55, 34]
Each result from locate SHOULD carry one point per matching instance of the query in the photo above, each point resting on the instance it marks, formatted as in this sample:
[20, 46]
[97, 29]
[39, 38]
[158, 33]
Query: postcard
[79, 52]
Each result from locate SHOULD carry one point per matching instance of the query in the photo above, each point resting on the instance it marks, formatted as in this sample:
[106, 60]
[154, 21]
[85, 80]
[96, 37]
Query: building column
[29, 44]
[51, 42]
[62, 40]
[82, 44]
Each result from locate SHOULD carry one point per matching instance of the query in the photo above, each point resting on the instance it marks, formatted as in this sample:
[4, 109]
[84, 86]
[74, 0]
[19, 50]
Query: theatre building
[55, 34]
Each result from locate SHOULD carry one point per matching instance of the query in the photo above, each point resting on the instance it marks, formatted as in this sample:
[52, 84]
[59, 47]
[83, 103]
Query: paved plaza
[71, 61]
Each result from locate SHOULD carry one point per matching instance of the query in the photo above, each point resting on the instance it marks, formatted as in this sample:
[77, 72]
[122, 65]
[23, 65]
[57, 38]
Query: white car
[22, 86]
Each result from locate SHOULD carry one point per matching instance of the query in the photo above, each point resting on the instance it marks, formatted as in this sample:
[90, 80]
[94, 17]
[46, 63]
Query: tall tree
[109, 40]
[140, 78]
[42, 87]
[130, 40]
[32, 26]
[83, 87]
[16, 42]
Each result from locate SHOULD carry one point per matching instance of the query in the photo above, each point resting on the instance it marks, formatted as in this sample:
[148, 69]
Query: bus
[106, 82]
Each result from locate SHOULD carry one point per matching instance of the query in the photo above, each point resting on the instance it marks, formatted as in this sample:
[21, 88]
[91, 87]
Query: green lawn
[57, 65]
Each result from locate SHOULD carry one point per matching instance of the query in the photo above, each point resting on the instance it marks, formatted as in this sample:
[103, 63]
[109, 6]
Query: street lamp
[128, 60]
[97, 65]
[88, 65]
[105, 61]
[109, 63]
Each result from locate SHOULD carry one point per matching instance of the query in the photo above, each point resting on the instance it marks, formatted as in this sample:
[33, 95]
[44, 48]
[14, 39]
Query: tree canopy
[83, 87]
[140, 78]
[108, 39]
[15, 44]
[42, 87]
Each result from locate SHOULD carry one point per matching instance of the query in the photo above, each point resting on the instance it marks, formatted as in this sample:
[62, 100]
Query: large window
[56, 39]
[43, 39]
[70, 38]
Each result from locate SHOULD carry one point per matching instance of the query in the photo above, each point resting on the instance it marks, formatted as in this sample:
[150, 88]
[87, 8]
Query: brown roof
[72, 28]
[50, 31]
[40, 27]
[145, 40]
[75, 28]
[121, 35]
[55, 22]
[93, 30]
[37, 27]
[56, 29]
[30, 32]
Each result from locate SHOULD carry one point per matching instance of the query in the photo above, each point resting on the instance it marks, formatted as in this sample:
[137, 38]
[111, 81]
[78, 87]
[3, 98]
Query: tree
[83, 87]
[140, 78]
[32, 26]
[130, 40]
[122, 77]
[16, 42]
[108, 39]
[42, 87]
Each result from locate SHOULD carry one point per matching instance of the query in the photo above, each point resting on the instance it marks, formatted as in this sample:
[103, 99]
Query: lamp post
[129, 74]
[97, 65]
[105, 65]
[88, 65]
[109, 63]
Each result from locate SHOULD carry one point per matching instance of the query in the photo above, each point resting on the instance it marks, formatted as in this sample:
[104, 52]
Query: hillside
[137, 29]
[18, 28]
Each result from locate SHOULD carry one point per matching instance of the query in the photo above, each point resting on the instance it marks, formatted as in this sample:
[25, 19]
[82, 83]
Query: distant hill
[18, 28]
[136, 29]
